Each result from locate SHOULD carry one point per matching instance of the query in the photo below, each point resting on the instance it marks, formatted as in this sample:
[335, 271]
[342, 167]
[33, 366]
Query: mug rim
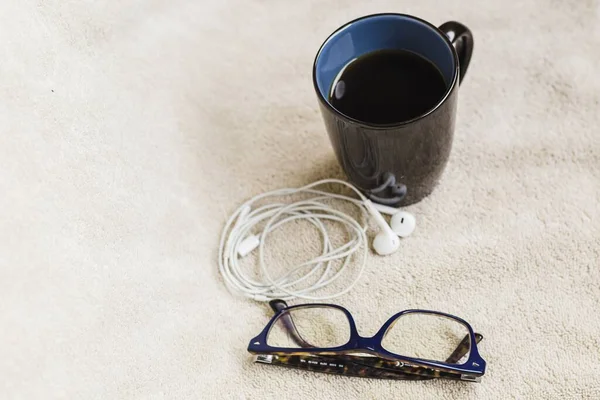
[327, 104]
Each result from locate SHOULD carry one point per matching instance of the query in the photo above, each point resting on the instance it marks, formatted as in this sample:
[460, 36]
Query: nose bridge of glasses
[367, 342]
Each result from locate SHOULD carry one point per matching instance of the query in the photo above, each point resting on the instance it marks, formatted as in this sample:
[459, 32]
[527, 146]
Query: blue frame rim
[395, 124]
[372, 345]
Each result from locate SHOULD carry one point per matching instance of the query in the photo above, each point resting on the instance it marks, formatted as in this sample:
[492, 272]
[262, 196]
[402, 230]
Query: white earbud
[386, 242]
[402, 223]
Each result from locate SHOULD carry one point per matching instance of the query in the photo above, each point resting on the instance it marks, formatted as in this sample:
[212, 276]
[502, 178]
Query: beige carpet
[131, 129]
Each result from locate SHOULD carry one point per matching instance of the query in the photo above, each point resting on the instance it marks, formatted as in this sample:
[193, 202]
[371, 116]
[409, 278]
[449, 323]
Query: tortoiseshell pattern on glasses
[379, 363]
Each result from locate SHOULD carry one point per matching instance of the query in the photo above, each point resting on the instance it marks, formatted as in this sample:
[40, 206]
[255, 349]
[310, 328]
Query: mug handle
[462, 39]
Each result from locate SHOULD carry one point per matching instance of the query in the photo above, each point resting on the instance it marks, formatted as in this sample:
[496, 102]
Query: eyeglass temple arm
[288, 323]
[366, 367]
[346, 365]
[290, 327]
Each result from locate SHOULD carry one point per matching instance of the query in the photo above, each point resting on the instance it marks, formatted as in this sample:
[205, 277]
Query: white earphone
[238, 241]
[402, 223]
[386, 242]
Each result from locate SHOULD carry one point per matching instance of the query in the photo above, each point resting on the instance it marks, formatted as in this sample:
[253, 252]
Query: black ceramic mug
[396, 163]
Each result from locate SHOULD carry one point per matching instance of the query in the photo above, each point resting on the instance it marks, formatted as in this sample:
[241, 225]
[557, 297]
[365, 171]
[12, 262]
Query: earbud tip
[384, 244]
[399, 190]
[403, 223]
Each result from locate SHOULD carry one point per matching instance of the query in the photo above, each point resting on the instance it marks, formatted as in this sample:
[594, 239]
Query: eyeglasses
[411, 345]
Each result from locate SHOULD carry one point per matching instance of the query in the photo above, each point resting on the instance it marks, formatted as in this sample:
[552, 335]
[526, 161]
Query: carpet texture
[131, 129]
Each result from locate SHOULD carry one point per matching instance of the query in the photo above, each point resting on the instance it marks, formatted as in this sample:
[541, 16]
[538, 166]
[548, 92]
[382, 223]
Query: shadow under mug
[394, 164]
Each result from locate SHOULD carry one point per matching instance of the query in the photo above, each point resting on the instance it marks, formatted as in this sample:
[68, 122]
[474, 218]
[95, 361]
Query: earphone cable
[320, 271]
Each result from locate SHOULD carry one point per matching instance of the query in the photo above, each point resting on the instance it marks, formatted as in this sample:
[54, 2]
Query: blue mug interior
[381, 32]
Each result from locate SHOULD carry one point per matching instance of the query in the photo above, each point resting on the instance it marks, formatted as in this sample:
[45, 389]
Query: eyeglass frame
[403, 366]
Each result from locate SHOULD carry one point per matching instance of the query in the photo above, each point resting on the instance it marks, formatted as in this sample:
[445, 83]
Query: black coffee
[387, 86]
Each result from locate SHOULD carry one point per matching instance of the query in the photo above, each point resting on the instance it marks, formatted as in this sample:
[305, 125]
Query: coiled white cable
[319, 271]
